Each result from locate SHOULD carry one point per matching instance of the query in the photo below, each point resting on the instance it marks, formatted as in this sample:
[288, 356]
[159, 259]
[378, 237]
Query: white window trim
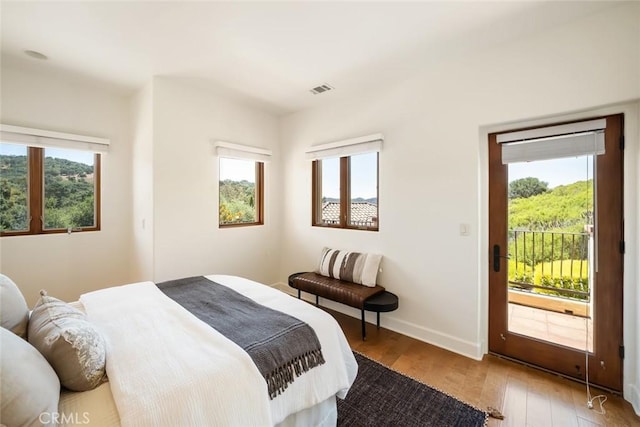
[242, 152]
[347, 147]
[31, 137]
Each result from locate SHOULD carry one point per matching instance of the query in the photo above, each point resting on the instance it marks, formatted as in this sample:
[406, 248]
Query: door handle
[496, 258]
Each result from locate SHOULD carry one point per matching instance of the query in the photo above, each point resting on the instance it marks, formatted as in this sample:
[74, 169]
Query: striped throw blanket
[281, 346]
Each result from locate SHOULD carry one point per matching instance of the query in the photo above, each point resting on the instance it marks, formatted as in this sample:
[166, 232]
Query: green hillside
[563, 208]
[237, 202]
[69, 193]
[560, 259]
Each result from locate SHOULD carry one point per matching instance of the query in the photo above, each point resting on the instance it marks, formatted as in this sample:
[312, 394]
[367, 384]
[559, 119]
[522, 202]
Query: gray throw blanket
[281, 346]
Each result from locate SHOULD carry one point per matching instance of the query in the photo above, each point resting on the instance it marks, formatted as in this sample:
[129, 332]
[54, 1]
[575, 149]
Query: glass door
[551, 250]
[555, 296]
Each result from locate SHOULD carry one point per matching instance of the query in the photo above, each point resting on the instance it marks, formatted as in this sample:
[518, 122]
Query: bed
[224, 388]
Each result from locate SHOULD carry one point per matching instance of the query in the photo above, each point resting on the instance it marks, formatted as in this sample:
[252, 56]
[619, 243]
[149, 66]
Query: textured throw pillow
[73, 346]
[29, 388]
[353, 267]
[14, 313]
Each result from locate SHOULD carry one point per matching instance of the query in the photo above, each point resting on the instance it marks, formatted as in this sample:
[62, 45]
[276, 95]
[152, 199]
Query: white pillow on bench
[353, 267]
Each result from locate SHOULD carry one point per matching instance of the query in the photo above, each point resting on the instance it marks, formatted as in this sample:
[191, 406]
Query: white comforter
[166, 367]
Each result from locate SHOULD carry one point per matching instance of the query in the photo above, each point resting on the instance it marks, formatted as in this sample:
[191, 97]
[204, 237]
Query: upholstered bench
[351, 294]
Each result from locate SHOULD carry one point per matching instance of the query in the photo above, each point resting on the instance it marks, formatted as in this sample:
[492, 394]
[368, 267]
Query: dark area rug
[383, 397]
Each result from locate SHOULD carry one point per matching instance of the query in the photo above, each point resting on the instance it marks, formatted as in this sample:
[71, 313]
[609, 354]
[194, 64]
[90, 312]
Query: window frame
[259, 204]
[35, 199]
[345, 195]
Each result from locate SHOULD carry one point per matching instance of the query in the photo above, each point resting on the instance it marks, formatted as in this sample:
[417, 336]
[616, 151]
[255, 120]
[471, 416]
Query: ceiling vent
[322, 88]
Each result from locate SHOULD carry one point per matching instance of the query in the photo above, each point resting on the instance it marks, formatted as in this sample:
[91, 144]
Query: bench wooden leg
[364, 331]
[317, 300]
[378, 320]
[298, 293]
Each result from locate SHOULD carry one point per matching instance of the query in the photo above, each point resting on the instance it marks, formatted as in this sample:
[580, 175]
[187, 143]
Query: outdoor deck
[559, 328]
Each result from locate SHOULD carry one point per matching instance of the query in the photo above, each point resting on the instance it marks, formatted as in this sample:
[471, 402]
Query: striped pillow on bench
[353, 267]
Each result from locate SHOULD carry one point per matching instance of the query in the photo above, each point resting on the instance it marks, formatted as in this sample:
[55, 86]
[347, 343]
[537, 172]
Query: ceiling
[267, 53]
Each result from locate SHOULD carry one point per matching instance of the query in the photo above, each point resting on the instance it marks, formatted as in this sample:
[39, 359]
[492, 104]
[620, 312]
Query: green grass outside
[568, 270]
[574, 276]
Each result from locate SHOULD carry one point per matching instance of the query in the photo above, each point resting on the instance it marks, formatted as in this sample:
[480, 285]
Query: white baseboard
[437, 338]
[387, 320]
[632, 395]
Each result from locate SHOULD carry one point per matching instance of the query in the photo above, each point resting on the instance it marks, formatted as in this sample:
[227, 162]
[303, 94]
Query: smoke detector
[322, 88]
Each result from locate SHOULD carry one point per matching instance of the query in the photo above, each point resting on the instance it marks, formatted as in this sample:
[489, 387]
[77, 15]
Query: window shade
[553, 142]
[348, 147]
[242, 152]
[49, 139]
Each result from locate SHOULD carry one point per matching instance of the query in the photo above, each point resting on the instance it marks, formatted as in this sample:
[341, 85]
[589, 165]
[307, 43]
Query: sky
[237, 170]
[85, 157]
[364, 170]
[556, 171]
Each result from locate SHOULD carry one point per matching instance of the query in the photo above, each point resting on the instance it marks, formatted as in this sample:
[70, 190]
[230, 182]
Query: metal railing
[560, 261]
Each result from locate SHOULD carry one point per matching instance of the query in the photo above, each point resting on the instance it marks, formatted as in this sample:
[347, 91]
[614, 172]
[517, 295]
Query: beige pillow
[73, 346]
[348, 266]
[14, 313]
[30, 388]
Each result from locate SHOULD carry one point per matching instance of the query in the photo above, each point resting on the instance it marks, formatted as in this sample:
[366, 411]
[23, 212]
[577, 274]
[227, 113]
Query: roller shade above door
[552, 142]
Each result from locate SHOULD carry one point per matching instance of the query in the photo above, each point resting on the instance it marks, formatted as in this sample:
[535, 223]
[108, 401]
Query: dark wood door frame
[605, 362]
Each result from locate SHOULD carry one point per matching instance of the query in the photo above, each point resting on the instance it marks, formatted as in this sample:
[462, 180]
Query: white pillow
[14, 313]
[30, 388]
[353, 267]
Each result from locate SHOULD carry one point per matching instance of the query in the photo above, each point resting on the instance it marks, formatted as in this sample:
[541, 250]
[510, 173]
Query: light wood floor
[525, 396]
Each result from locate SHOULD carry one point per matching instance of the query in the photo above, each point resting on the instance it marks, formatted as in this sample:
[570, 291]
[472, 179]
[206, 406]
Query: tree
[237, 202]
[527, 187]
[68, 191]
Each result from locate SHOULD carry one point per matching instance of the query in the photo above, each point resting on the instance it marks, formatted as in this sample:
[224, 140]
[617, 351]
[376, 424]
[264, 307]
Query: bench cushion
[340, 291]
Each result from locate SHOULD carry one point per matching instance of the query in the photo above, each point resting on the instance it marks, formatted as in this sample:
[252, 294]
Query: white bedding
[231, 397]
[97, 408]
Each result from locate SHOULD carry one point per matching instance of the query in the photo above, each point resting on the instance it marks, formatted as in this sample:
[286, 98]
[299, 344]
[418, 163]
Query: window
[241, 184]
[48, 190]
[345, 191]
[14, 188]
[241, 192]
[49, 181]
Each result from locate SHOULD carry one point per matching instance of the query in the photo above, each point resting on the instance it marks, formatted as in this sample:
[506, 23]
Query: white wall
[187, 241]
[67, 265]
[634, 394]
[433, 169]
[142, 183]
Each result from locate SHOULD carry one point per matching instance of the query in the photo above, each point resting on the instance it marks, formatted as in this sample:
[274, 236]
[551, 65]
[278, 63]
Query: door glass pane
[550, 225]
[363, 205]
[14, 188]
[238, 193]
[69, 189]
[330, 190]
